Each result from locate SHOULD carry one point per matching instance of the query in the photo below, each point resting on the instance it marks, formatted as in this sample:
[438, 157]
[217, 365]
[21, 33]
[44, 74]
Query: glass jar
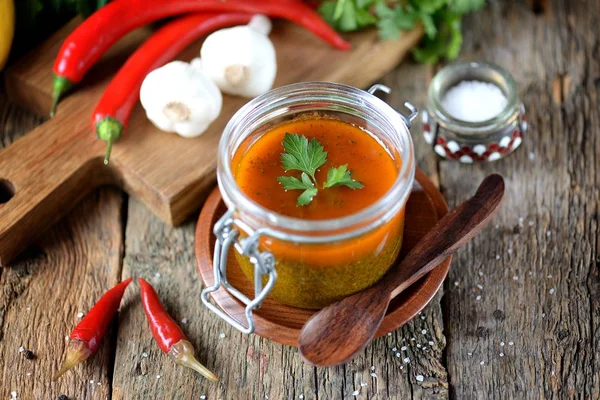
[310, 263]
[467, 141]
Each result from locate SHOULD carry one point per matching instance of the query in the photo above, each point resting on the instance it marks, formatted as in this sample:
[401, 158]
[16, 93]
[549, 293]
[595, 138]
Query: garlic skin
[178, 97]
[241, 60]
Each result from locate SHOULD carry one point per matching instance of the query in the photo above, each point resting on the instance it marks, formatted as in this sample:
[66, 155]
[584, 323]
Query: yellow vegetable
[7, 29]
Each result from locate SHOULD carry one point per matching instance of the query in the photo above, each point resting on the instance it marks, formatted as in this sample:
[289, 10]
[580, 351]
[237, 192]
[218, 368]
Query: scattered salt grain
[203, 397]
[548, 233]
[184, 321]
[403, 348]
[474, 101]
[99, 383]
[497, 256]
[422, 317]
[157, 376]
[67, 337]
[157, 275]
[374, 375]
[552, 372]
[145, 355]
[406, 360]
[481, 362]
[419, 378]
[418, 345]
[21, 349]
[543, 315]
[510, 343]
[478, 298]
[502, 344]
[530, 273]
[549, 276]
[394, 349]
[531, 222]
[480, 273]
[389, 333]
[28, 374]
[398, 355]
[401, 367]
[79, 315]
[424, 331]
[424, 348]
[92, 381]
[13, 394]
[501, 354]
[497, 226]
[412, 339]
[551, 291]
[431, 343]
[455, 283]
[301, 396]
[28, 308]
[521, 219]
[509, 251]
[470, 354]
[266, 396]
[480, 287]
[531, 156]
[372, 368]
[355, 393]
[222, 335]
[363, 384]
[515, 278]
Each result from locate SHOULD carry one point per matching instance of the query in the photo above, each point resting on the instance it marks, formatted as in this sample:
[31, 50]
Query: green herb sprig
[308, 156]
[441, 20]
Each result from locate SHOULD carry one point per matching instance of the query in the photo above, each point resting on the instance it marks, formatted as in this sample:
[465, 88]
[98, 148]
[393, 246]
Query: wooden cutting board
[46, 172]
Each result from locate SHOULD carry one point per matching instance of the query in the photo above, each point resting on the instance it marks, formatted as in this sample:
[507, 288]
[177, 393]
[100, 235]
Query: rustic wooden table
[518, 317]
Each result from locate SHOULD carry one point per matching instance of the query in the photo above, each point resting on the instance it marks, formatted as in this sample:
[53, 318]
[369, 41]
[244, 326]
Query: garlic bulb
[241, 60]
[179, 97]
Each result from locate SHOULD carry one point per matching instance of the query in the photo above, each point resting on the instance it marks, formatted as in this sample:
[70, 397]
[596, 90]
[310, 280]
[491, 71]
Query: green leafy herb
[340, 176]
[307, 156]
[441, 20]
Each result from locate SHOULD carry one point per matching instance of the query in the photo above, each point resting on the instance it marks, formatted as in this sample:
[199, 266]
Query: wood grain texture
[538, 267]
[282, 323]
[61, 159]
[42, 292]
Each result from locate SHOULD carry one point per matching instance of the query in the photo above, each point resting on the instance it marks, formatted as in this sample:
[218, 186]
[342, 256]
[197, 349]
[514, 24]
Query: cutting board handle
[42, 176]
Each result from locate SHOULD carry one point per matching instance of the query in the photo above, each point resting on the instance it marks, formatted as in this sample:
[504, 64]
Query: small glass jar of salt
[473, 113]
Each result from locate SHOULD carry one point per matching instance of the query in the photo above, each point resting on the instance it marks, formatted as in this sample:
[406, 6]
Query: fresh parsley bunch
[441, 20]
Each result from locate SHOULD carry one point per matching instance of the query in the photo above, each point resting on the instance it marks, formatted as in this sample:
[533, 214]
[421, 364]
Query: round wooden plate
[282, 323]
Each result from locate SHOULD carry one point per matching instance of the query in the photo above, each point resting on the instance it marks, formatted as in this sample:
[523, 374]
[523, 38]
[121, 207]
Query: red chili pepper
[112, 112]
[86, 44]
[85, 338]
[167, 333]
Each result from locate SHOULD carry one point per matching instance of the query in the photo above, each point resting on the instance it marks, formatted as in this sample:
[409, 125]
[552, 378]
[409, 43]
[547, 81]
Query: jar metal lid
[467, 141]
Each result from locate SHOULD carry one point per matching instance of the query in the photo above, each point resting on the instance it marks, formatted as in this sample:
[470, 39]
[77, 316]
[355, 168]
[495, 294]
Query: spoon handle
[451, 232]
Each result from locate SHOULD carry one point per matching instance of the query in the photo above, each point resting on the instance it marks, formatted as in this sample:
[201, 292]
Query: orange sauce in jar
[315, 275]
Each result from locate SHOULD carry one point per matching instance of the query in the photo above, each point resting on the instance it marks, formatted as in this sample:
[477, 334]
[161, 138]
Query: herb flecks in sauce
[307, 156]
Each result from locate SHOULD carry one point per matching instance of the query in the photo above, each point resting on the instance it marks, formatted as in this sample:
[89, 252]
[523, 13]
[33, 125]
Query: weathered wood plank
[540, 282]
[42, 292]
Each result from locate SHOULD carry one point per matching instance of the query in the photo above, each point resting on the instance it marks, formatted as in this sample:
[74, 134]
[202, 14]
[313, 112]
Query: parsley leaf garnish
[340, 176]
[307, 156]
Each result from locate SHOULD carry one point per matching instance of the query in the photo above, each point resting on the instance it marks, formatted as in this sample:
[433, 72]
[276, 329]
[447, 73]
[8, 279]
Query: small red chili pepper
[167, 333]
[85, 338]
[93, 37]
[112, 112]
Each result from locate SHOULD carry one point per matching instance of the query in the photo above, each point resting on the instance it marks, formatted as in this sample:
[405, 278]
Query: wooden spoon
[340, 331]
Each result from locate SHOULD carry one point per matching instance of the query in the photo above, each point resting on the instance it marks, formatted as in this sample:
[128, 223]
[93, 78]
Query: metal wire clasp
[406, 118]
[263, 261]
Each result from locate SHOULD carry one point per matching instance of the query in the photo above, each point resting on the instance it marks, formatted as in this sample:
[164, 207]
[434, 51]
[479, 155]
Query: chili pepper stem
[61, 85]
[110, 130]
[183, 354]
[77, 352]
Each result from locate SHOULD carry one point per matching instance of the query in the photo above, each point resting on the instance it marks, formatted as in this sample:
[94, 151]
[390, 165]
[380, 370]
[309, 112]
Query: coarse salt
[424, 331]
[13, 394]
[481, 362]
[145, 355]
[374, 375]
[157, 376]
[418, 345]
[474, 101]
[480, 287]
[203, 397]
[79, 315]
[363, 384]
[502, 344]
[501, 354]
[355, 393]
[301, 396]
[398, 355]
[431, 343]
[372, 368]
[455, 283]
[515, 278]
[510, 343]
[478, 298]
[497, 256]
[531, 156]
[21, 349]
[480, 273]
[221, 335]
[403, 348]
[389, 333]
[184, 321]
[157, 275]
[406, 360]
[420, 378]
[551, 291]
